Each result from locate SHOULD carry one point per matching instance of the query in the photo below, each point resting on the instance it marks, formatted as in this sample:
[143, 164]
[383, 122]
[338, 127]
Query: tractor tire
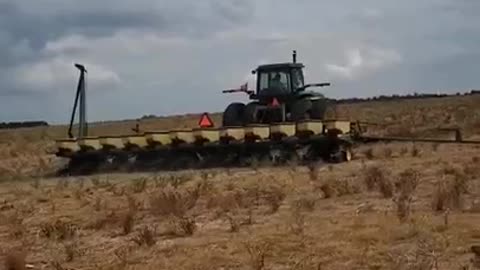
[343, 154]
[233, 115]
[318, 109]
[250, 115]
[300, 110]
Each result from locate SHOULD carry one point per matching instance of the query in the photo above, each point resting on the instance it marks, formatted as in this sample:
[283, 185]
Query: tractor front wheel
[318, 109]
[251, 113]
[233, 115]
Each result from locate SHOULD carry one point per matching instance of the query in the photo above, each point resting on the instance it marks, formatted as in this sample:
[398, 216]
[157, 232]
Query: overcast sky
[175, 56]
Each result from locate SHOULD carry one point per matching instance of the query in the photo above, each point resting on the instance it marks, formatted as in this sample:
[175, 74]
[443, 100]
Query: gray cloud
[162, 57]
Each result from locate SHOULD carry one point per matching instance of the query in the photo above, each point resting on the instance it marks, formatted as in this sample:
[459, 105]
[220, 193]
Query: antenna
[294, 56]
[80, 97]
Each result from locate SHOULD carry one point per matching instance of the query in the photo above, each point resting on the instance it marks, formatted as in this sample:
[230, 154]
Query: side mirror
[254, 72]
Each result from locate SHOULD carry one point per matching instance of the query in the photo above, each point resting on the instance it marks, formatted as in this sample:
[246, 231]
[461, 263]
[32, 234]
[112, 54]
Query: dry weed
[177, 180]
[257, 253]
[268, 194]
[205, 186]
[415, 151]
[403, 204]
[133, 204]
[227, 201]
[181, 226]
[333, 187]
[234, 223]
[95, 181]
[475, 206]
[471, 170]
[78, 193]
[146, 236]
[368, 153]
[312, 171]
[103, 220]
[15, 261]
[15, 222]
[476, 253]
[387, 152]
[72, 250]
[98, 183]
[57, 265]
[426, 253]
[297, 222]
[62, 184]
[377, 177]
[449, 193]
[128, 222]
[59, 230]
[174, 201]
[139, 185]
[118, 191]
[123, 256]
[405, 187]
[81, 182]
[36, 183]
[407, 182]
[305, 203]
[274, 197]
[97, 206]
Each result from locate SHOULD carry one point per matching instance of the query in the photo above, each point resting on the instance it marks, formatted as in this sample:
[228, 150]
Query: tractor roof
[279, 66]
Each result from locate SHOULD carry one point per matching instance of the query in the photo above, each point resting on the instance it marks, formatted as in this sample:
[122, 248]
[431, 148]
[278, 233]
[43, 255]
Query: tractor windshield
[274, 81]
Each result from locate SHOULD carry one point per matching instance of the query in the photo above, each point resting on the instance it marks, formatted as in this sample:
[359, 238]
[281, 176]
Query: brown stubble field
[395, 206]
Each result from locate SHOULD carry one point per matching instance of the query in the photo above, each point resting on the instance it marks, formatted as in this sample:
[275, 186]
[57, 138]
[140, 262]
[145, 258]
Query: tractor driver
[277, 84]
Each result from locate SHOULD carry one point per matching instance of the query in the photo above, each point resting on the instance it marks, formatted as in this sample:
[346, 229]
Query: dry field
[395, 206]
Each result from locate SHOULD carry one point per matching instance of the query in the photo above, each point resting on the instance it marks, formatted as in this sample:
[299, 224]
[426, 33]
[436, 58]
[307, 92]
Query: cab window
[297, 78]
[275, 80]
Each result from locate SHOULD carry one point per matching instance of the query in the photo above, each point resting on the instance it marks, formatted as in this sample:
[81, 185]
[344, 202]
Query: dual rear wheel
[239, 114]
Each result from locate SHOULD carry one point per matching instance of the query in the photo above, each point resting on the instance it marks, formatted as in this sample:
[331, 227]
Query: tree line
[25, 124]
[401, 97]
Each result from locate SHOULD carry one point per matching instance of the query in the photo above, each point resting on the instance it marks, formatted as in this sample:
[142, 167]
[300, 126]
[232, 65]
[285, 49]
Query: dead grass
[257, 251]
[194, 221]
[58, 230]
[449, 192]
[405, 187]
[377, 177]
[333, 187]
[139, 185]
[15, 260]
[128, 222]
[271, 218]
[181, 226]
[170, 201]
[146, 236]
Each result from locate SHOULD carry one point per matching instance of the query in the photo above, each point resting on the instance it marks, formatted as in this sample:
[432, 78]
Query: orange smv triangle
[275, 102]
[205, 121]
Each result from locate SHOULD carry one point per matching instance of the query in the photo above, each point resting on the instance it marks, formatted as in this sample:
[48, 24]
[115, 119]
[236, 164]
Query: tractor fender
[310, 95]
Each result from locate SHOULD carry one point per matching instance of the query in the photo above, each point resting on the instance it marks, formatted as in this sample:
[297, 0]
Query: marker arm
[249, 92]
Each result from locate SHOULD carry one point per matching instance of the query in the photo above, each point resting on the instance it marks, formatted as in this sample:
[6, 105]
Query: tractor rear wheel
[318, 109]
[233, 115]
[300, 110]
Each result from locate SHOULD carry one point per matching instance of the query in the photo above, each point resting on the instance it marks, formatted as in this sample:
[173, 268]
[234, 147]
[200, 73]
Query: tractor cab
[281, 80]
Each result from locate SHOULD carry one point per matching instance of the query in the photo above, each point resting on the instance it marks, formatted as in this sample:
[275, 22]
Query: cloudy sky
[175, 56]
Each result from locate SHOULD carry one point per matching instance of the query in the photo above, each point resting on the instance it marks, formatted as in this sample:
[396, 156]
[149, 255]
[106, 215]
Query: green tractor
[281, 96]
